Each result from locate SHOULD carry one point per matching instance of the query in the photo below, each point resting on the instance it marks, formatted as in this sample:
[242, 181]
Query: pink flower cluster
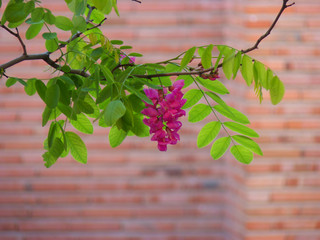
[164, 113]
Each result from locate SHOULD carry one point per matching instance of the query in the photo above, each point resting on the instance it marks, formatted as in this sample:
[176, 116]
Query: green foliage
[188, 56]
[199, 112]
[33, 30]
[193, 96]
[219, 147]
[113, 112]
[99, 80]
[239, 128]
[208, 133]
[242, 154]
[276, 90]
[63, 23]
[77, 147]
[214, 86]
[232, 114]
[207, 56]
[116, 136]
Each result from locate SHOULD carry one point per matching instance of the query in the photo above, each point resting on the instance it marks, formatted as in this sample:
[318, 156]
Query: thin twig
[21, 42]
[267, 33]
[17, 35]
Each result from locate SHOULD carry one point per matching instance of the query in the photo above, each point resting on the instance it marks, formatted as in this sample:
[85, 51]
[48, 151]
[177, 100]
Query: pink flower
[164, 113]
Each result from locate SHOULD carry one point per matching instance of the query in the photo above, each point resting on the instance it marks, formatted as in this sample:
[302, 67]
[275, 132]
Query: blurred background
[135, 192]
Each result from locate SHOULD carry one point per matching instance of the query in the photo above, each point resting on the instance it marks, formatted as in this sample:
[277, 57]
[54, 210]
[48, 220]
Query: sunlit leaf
[248, 143]
[114, 111]
[277, 90]
[242, 154]
[219, 147]
[239, 128]
[116, 136]
[77, 147]
[232, 113]
[193, 96]
[208, 133]
[199, 112]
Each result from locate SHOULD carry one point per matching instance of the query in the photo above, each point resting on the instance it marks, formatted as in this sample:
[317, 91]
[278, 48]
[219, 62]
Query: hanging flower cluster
[164, 113]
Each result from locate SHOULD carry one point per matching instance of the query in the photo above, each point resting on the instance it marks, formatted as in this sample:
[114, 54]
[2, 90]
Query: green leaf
[125, 74]
[116, 136]
[133, 54]
[79, 23]
[33, 30]
[218, 100]
[187, 57]
[219, 147]
[139, 128]
[52, 96]
[63, 23]
[77, 147]
[37, 14]
[82, 124]
[49, 35]
[67, 111]
[262, 72]
[57, 148]
[85, 107]
[277, 90]
[104, 94]
[242, 154]
[67, 80]
[107, 74]
[139, 94]
[215, 86]
[125, 47]
[236, 64]
[52, 44]
[15, 12]
[248, 143]
[208, 133]
[269, 79]
[51, 133]
[46, 115]
[41, 89]
[247, 69]
[22, 81]
[104, 6]
[206, 57]
[49, 17]
[114, 111]
[115, 7]
[199, 112]
[30, 88]
[11, 81]
[193, 96]
[48, 159]
[232, 113]
[116, 42]
[228, 63]
[239, 128]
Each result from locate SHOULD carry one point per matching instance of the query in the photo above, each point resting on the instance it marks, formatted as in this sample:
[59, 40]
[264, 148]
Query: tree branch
[43, 56]
[17, 35]
[267, 33]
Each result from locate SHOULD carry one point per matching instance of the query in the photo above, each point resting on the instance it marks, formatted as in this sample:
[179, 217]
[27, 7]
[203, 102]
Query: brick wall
[134, 192]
